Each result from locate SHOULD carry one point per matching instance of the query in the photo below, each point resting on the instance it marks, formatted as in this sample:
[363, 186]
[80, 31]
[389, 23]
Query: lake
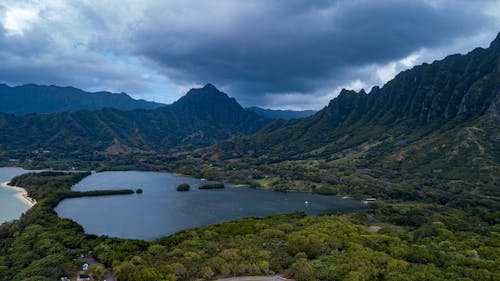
[10, 207]
[161, 210]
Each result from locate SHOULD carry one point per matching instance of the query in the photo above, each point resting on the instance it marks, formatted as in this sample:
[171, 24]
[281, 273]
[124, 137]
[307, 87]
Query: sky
[282, 54]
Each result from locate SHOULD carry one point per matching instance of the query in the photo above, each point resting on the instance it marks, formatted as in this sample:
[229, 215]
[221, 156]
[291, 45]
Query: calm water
[10, 207]
[162, 210]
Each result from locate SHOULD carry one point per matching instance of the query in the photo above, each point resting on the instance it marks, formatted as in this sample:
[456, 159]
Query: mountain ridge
[42, 99]
[112, 131]
[281, 114]
[432, 131]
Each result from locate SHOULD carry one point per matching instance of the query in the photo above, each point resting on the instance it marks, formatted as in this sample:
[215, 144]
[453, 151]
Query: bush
[212, 185]
[183, 187]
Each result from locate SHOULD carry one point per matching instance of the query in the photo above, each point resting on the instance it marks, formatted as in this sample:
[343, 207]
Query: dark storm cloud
[294, 46]
[292, 53]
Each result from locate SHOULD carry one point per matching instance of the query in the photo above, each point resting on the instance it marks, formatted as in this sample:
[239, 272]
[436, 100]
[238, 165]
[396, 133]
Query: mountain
[32, 98]
[281, 114]
[200, 118]
[433, 132]
[429, 98]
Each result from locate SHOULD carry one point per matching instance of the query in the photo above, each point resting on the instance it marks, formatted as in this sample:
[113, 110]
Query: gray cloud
[302, 48]
[293, 53]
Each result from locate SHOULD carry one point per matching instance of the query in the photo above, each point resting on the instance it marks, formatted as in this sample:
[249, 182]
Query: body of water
[161, 210]
[11, 207]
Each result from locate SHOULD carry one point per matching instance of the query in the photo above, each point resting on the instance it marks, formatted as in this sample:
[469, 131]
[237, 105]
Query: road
[256, 278]
[108, 275]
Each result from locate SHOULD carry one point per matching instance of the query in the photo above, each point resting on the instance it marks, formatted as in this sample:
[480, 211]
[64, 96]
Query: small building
[369, 200]
[83, 277]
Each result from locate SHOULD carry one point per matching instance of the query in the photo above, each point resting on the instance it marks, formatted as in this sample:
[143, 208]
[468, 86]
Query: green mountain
[281, 114]
[432, 132]
[200, 118]
[425, 146]
[32, 98]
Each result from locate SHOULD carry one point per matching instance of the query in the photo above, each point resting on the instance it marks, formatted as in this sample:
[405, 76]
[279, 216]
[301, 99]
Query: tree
[303, 270]
[183, 187]
[206, 272]
[97, 271]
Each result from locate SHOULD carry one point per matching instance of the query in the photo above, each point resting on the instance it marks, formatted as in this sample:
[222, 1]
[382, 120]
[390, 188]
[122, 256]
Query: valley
[168, 211]
[422, 152]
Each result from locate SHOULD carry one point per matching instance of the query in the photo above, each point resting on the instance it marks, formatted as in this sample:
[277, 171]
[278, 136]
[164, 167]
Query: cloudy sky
[293, 54]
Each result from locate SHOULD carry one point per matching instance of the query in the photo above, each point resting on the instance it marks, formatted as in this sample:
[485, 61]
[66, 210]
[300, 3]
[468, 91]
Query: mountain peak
[204, 98]
[208, 103]
[496, 42]
[210, 86]
[207, 90]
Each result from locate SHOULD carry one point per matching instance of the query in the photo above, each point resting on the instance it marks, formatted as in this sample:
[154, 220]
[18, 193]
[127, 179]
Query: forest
[390, 241]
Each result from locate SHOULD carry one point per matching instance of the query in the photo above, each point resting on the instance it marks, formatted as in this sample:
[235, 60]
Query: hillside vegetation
[413, 242]
[426, 146]
[432, 134]
[200, 118]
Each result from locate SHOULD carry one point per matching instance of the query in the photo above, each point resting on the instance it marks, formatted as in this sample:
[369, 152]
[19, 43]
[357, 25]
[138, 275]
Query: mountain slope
[432, 133]
[281, 114]
[32, 98]
[202, 117]
[454, 91]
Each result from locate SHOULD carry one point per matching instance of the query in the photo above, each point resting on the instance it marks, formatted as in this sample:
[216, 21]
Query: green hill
[200, 118]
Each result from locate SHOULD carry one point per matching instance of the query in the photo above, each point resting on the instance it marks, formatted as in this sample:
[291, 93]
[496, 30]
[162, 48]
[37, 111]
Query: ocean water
[10, 207]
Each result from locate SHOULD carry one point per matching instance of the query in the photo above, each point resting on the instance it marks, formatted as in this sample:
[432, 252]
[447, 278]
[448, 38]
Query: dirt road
[256, 278]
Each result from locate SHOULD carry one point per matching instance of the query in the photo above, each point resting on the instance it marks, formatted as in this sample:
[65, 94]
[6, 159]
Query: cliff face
[459, 85]
[442, 116]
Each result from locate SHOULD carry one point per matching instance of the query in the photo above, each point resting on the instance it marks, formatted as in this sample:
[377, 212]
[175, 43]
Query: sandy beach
[22, 194]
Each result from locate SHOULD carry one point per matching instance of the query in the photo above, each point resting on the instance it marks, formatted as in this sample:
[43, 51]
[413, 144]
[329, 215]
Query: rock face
[463, 85]
[422, 110]
[495, 105]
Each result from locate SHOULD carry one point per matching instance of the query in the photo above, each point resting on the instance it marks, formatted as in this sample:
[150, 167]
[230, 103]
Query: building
[83, 277]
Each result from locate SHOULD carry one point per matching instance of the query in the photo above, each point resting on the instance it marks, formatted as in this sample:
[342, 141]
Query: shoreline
[21, 195]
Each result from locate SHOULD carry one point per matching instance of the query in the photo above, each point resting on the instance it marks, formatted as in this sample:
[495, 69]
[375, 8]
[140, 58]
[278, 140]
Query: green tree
[183, 187]
[97, 271]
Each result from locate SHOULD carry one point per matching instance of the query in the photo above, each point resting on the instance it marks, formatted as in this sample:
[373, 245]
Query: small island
[183, 187]
[138, 191]
[211, 185]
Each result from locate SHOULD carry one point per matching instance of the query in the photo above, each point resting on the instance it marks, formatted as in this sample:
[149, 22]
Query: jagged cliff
[440, 117]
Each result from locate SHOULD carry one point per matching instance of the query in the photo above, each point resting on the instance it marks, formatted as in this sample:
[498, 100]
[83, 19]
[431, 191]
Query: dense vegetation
[40, 245]
[429, 135]
[53, 186]
[215, 185]
[183, 187]
[200, 118]
[426, 145]
[413, 241]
